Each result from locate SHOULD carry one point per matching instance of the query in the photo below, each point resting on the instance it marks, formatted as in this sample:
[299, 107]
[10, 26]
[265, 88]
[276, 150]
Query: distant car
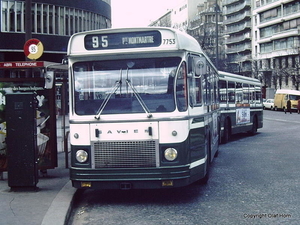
[269, 104]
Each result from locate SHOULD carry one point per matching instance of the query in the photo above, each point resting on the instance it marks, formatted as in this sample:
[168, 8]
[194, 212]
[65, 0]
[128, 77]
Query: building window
[291, 8]
[49, 19]
[270, 15]
[11, 16]
[19, 16]
[266, 47]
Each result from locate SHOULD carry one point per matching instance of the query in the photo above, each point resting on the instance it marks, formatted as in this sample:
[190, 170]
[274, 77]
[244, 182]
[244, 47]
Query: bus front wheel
[254, 126]
[226, 132]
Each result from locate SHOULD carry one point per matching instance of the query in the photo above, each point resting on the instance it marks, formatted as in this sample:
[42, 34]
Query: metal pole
[217, 35]
[28, 22]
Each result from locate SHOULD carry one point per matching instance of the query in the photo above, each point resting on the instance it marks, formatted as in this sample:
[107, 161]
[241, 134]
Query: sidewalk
[49, 205]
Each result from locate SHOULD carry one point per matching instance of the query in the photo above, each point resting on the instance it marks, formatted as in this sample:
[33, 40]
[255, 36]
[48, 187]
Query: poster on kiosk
[30, 76]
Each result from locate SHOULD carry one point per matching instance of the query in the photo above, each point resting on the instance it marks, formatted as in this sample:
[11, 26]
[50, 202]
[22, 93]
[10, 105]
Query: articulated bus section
[241, 105]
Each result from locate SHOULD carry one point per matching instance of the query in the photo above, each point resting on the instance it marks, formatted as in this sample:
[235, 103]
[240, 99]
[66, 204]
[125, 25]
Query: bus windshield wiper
[107, 97]
[138, 97]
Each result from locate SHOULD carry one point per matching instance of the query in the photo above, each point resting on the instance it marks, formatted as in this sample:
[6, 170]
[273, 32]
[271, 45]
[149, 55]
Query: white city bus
[144, 109]
[241, 105]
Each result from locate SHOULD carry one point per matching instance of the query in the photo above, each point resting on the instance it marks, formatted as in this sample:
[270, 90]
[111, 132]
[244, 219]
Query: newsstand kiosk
[32, 113]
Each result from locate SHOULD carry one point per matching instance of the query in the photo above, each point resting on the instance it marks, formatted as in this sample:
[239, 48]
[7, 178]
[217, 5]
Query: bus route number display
[123, 40]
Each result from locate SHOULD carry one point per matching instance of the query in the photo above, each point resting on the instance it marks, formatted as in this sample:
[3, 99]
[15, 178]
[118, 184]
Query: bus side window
[245, 94]
[211, 86]
[195, 92]
[223, 91]
[181, 88]
[231, 91]
[258, 94]
[251, 94]
[239, 93]
[214, 86]
[216, 89]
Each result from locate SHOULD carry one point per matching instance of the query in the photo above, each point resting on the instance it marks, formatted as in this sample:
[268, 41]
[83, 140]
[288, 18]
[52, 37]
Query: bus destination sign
[122, 40]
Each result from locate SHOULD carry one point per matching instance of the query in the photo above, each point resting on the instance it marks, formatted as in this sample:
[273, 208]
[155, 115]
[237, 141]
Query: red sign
[33, 48]
[25, 64]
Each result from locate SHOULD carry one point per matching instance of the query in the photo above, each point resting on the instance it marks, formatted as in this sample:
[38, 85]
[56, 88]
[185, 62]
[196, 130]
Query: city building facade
[276, 43]
[29, 27]
[237, 35]
[164, 21]
[179, 16]
[207, 27]
[255, 38]
[53, 22]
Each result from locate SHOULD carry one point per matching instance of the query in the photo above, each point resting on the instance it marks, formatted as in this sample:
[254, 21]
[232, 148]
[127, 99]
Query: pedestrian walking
[298, 106]
[288, 106]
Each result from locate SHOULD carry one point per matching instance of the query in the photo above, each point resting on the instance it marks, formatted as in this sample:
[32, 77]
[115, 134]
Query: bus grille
[125, 154]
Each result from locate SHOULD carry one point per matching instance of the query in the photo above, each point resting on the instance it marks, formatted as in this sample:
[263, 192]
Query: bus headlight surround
[81, 156]
[170, 154]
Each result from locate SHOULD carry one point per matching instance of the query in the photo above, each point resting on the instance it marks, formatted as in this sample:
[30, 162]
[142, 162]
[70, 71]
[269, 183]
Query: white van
[281, 97]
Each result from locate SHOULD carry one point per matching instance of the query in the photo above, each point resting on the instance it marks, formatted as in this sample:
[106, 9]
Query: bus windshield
[125, 86]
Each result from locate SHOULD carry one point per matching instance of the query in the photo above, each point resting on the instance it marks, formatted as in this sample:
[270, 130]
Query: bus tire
[217, 153]
[226, 133]
[254, 126]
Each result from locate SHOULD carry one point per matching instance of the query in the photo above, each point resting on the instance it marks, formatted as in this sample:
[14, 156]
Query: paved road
[255, 180]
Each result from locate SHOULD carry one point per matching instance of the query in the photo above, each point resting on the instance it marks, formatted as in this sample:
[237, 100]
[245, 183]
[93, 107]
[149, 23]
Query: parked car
[269, 104]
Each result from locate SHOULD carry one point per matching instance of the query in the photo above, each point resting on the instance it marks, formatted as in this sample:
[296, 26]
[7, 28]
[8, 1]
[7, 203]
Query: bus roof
[124, 40]
[287, 91]
[237, 78]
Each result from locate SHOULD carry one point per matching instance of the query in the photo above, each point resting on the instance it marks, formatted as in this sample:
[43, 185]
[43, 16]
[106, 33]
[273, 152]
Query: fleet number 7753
[169, 41]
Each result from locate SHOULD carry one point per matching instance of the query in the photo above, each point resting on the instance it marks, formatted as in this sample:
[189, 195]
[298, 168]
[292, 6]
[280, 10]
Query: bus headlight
[171, 154]
[81, 156]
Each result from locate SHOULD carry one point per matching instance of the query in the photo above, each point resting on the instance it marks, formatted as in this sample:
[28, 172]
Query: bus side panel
[199, 153]
[236, 128]
[197, 144]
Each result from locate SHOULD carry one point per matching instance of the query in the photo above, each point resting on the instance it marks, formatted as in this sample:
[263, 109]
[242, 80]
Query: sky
[136, 13]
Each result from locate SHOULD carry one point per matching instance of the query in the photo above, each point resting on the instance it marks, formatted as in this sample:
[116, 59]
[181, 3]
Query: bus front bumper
[134, 178]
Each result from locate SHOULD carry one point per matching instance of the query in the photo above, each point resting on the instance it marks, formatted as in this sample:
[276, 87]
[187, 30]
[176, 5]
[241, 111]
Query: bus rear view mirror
[64, 61]
[49, 78]
[200, 66]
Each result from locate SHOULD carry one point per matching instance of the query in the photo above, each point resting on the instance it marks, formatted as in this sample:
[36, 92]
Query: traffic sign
[33, 49]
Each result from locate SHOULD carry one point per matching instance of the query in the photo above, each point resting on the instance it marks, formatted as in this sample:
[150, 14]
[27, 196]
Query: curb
[60, 207]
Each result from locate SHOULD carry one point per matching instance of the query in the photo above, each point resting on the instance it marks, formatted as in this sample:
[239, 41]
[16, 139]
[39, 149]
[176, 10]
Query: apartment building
[276, 42]
[207, 27]
[179, 16]
[237, 35]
